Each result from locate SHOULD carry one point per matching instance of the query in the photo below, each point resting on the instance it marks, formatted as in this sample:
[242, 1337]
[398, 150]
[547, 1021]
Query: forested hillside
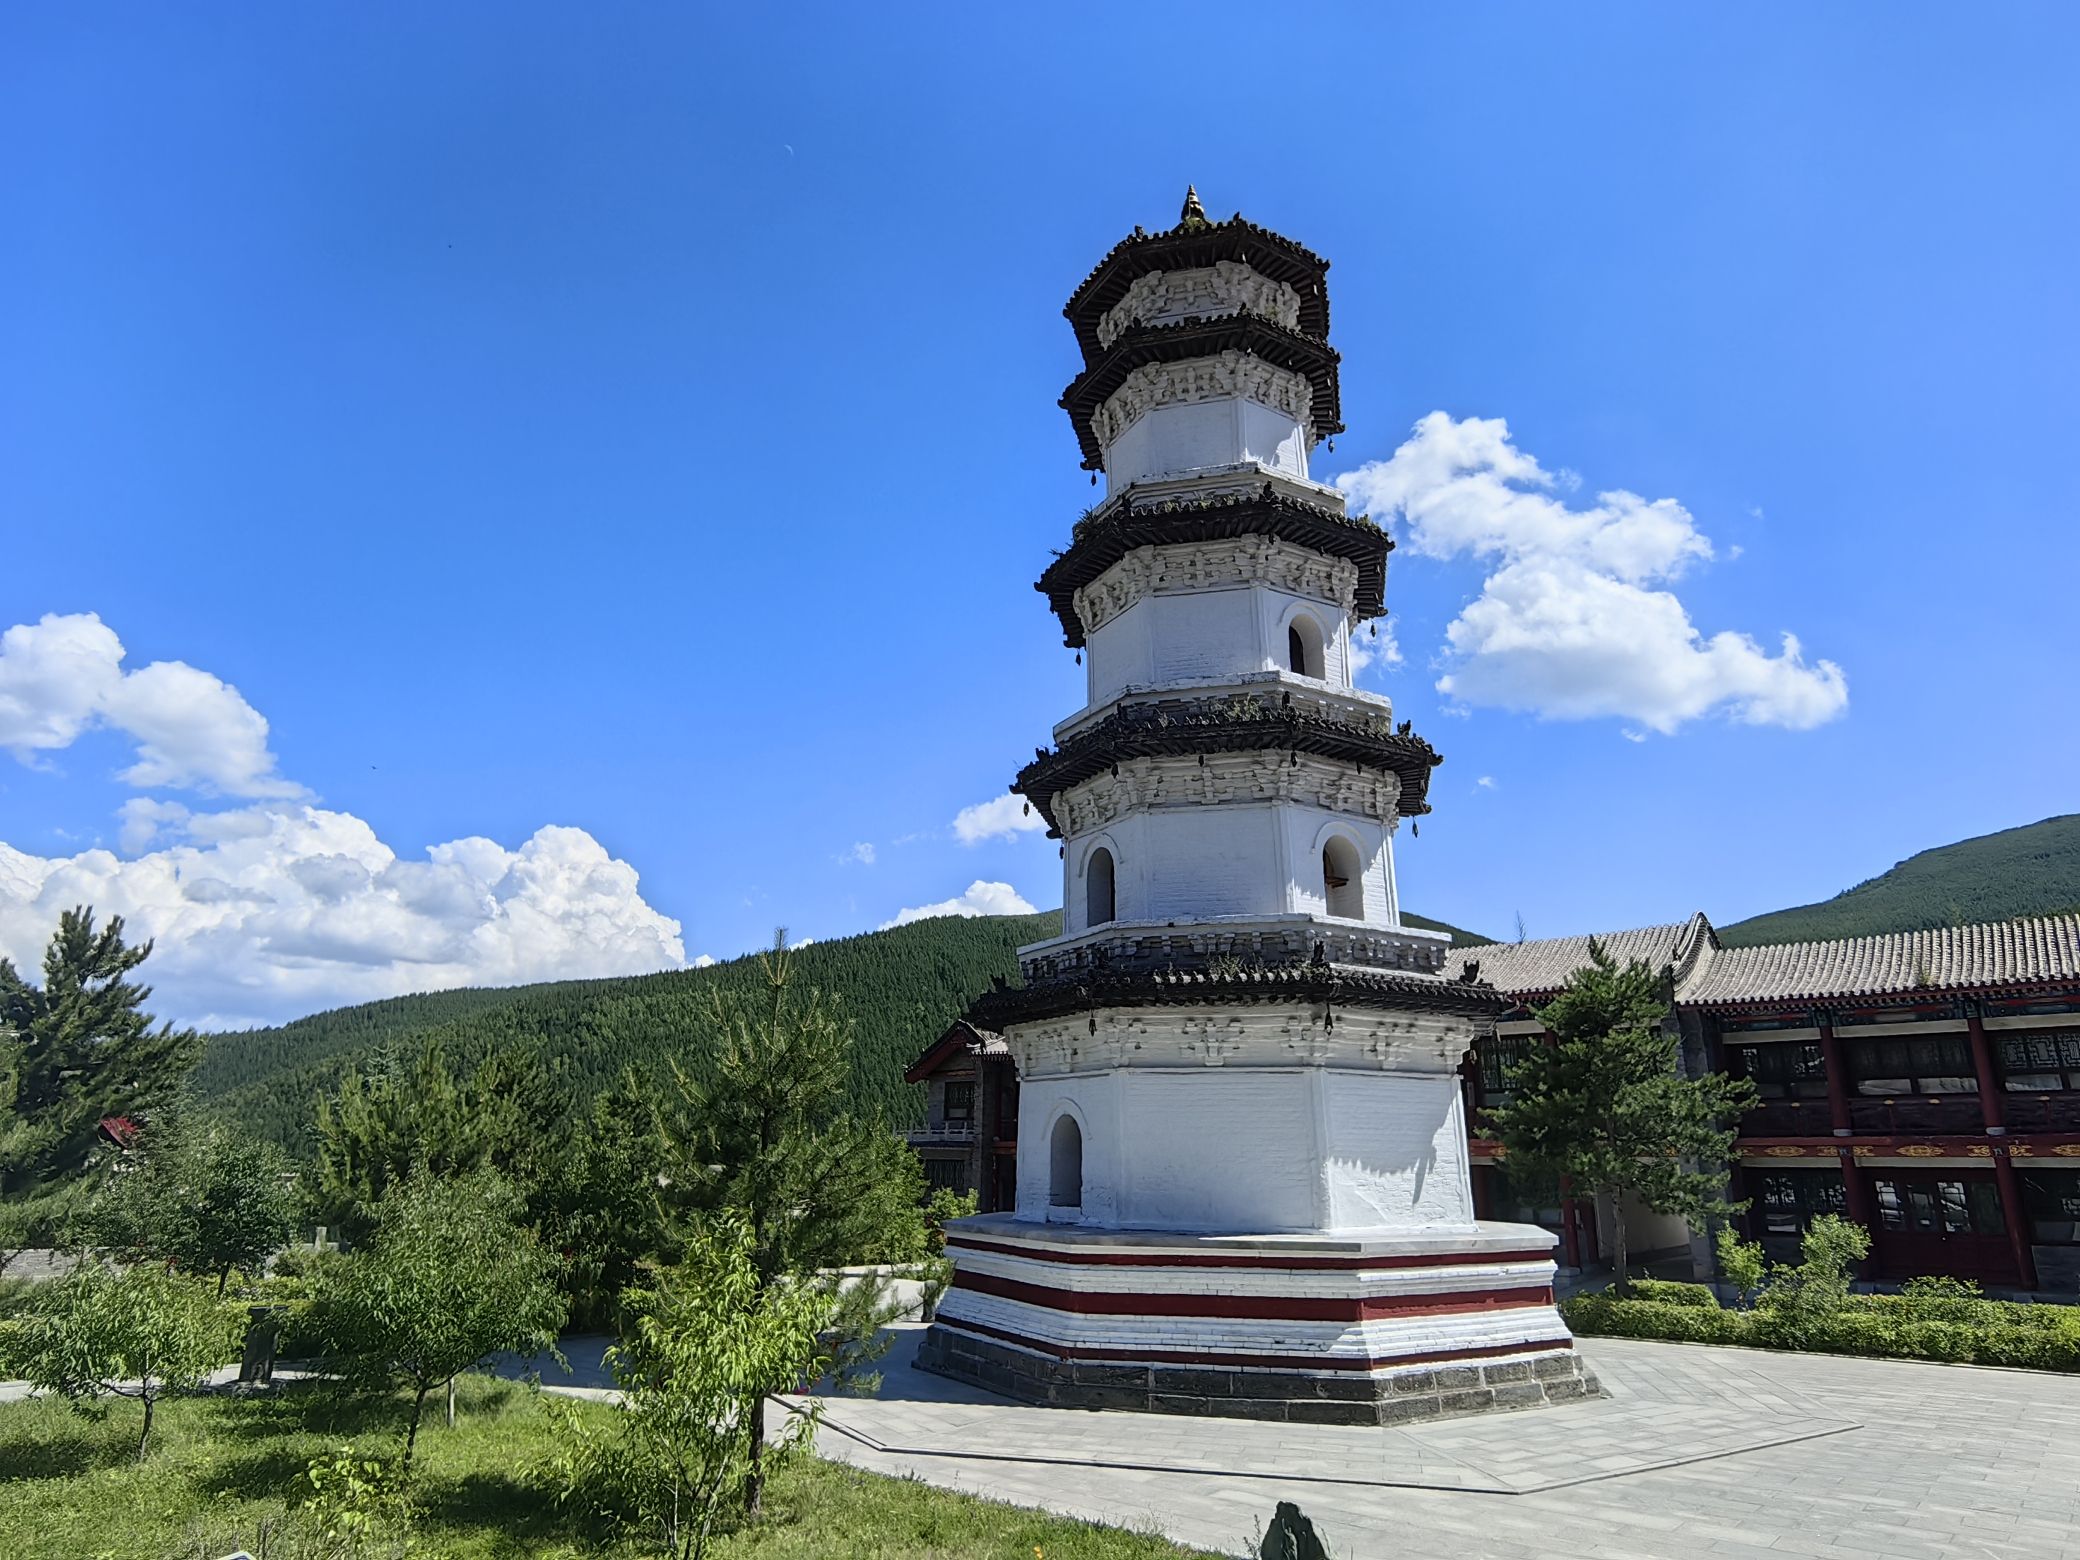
[2034, 870]
[901, 987]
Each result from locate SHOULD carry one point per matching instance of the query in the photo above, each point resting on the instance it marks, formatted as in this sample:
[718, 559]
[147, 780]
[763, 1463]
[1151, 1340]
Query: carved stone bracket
[1204, 292]
[1144, 783]
[1230, 373]
[1190, 566]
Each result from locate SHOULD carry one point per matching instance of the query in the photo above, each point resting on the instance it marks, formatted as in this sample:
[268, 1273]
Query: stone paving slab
[1653, 1419]
[1918, 1461]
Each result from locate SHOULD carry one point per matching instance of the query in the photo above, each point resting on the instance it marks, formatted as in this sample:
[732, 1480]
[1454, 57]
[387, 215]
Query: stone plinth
[1362, 1329]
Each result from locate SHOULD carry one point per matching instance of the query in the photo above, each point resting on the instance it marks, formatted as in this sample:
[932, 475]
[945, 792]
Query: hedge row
[2030, 1337]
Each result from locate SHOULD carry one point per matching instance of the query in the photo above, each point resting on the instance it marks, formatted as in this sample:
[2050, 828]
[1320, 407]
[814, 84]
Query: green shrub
[1664, 1292]
[2031, 1348]
[1829, 1252]
[1741, 1263]
[1944, 1300]
[1874, 1326]
[1601, 1315]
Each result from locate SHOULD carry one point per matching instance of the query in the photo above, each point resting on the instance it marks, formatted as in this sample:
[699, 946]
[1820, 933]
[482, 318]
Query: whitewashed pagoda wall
[1174, 440]
[1262, 858]
[1328, 1148]
[1208, 635]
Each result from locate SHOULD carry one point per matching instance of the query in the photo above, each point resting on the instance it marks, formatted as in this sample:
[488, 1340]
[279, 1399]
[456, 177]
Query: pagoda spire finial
[1193, 214]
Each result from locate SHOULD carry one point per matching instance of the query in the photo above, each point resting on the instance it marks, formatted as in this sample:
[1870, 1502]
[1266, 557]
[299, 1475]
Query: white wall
[1197, 636]
[1397, 1153]
[1250, 858]
[1326, 1149]
[1196, 435]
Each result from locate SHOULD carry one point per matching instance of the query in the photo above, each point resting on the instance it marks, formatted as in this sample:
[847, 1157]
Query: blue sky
[640, 421]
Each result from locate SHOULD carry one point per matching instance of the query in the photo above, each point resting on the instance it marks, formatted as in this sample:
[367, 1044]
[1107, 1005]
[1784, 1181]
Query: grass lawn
[226, 1473]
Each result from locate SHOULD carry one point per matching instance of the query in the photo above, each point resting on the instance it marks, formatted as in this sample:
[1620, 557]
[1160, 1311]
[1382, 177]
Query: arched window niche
[1305, 647]
[1100, 903]
[1343, 878]
[1065, 1164]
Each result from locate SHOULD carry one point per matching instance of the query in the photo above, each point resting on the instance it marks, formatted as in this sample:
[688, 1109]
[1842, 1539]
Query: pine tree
[425, 1117]
[75, 1052]
[1606, 1107]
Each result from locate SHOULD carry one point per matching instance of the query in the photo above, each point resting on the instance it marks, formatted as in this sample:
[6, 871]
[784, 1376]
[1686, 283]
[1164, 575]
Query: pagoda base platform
[1372, 1329]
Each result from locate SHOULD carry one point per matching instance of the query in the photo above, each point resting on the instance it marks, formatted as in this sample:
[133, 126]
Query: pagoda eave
[1109, 536]
[1172, 727]
[1269, 254]
[1317, 985]
[1309, 356]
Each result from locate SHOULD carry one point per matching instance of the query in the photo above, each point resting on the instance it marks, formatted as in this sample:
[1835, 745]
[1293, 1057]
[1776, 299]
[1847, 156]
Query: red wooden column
[1570, 1244]
[1856, 1191]
[2014, 1214]
[1990, 1101]
[1837, 1076]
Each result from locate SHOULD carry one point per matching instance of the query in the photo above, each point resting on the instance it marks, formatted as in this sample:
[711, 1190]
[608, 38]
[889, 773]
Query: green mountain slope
[1461, 937]
[901, 986]
[2034, 870]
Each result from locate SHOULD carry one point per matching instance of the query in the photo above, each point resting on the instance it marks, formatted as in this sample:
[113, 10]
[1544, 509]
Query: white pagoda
[1242, 1170]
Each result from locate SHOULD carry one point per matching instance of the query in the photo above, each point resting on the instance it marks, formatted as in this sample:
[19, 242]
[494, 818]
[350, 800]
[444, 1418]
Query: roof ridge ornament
[1193, 217]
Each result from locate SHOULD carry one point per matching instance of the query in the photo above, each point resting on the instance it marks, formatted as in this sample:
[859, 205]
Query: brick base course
[1347, 1398]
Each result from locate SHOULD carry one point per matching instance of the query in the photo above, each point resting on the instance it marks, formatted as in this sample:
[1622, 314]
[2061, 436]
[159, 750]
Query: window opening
[1917, 1064]
[1065, 1165]
[1098, 888]
[1343, 879]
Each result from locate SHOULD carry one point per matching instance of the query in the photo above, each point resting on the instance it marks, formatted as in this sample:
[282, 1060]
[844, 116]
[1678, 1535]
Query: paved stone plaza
[1699, 1451]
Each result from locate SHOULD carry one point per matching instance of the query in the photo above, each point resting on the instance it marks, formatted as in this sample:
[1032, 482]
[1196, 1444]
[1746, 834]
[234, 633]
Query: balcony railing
[1916, 1113]
[944, 1132]
[2042, 1112]
[1788, 1118]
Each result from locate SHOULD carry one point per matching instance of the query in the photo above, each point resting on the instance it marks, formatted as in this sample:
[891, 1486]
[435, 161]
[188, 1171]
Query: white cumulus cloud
[1568, 624]
[980, 899]
[863, 854]
[276, 907]
[276, 910]
[999, 819]
[62, 675]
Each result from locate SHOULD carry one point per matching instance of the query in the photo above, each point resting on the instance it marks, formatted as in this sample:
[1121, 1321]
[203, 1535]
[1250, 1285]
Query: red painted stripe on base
[1292, 1362]
[1284, 1308]
[1196, 1259]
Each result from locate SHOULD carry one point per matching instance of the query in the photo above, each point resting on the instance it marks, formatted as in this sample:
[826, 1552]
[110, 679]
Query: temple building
[969, 1140]
[1242, 1169]
[1924, 1084]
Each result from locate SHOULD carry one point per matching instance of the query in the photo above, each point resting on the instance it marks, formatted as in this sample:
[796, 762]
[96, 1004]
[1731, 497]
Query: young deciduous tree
[1606, 1106]
[766, 1130]
[701, 1347]
[75, 1051]
[207, 1200]
[453, 1274]
[139, 1333]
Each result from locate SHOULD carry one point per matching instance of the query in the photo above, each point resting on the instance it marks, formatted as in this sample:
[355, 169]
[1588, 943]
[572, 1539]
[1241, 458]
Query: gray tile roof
[2030, 950]
[1540, 968]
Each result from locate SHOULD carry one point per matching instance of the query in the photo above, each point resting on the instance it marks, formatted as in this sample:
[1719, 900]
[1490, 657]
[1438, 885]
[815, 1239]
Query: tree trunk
[145, 1439]
[411, 1435]
[451, 1402]
[223, 1278]
[755, 1479]
[1624, 1284]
